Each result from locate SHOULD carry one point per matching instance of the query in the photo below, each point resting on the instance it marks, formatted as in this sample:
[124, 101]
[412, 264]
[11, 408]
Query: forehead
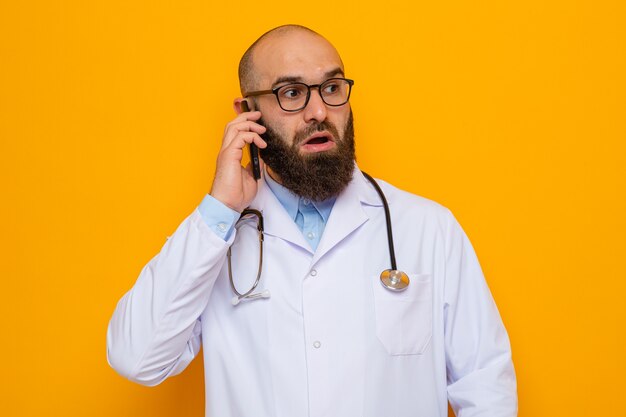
[295, 54]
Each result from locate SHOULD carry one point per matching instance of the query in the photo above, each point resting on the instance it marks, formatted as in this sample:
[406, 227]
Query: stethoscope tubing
[391, 279]
[260, 229]
[392, 252]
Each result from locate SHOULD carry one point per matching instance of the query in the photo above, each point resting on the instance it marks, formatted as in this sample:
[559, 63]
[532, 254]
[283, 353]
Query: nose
[315, 108]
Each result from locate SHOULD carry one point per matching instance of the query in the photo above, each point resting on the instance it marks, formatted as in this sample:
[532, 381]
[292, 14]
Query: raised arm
[155, 330]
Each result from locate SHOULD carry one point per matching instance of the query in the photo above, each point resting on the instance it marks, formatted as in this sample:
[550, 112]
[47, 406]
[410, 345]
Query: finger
[243, 138]
[246, 116]
[244, 126]
[251, 115]
[234, 129]
[260, 142]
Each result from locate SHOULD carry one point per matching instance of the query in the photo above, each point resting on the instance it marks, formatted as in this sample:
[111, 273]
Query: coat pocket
[404, 319]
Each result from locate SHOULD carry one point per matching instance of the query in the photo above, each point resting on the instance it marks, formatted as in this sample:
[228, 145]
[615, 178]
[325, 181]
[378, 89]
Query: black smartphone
[254, 150]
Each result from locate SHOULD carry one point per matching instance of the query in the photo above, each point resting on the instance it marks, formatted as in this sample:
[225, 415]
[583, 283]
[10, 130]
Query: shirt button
[317, 344]
[306, 202]
[313, 272]
[221, 227]
[310, 235]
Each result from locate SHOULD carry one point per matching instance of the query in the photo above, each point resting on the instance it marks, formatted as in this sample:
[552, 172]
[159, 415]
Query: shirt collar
[290, 200]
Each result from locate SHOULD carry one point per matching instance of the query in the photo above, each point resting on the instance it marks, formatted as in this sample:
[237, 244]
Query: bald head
[263, 49]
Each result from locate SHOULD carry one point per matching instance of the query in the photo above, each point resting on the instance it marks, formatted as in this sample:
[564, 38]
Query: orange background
[511, 113]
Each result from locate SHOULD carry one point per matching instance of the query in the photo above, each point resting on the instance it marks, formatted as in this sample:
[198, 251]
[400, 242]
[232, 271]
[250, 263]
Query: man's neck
[272, 174]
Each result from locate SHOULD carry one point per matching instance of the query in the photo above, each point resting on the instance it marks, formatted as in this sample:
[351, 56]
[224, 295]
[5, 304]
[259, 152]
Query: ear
[237, 104]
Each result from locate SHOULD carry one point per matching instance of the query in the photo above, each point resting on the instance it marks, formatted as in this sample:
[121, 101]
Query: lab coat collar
[364, 189]
[346, 216]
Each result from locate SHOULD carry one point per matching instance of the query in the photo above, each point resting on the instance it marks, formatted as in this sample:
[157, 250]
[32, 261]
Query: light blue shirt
[309, 216]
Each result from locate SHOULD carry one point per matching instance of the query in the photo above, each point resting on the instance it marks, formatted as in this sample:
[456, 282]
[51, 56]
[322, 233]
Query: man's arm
[481, 377]
[155, 329]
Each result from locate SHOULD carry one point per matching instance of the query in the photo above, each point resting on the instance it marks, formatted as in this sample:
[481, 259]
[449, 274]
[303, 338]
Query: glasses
[295, 96]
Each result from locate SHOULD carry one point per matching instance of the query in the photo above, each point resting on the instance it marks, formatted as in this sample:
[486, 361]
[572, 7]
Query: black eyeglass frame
[308, 94]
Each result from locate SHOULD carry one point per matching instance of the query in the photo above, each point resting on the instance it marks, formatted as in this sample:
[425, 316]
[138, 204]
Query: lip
[318, 147]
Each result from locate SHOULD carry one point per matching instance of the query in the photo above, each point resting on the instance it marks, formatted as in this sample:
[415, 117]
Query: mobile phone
[254, 150]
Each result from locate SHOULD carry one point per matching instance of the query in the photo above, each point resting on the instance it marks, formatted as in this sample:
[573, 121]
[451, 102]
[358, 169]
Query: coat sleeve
[481, 377]
[155, 329]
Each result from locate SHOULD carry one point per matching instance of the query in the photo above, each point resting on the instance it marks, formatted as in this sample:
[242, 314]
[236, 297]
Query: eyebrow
[298, 79]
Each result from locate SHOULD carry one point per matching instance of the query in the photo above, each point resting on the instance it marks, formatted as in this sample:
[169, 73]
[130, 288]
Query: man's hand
[233, 184]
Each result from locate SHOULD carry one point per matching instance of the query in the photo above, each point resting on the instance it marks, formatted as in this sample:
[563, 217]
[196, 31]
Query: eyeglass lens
[334, 92]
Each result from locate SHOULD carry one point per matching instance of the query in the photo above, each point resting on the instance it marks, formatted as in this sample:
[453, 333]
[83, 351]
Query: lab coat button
[313, 272]
[317, 344]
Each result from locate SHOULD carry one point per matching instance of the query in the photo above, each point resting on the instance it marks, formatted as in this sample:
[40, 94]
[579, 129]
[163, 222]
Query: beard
[316, 176]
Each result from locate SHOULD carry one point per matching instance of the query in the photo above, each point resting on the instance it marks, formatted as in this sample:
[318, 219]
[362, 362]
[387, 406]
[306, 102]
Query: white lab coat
[331, 340]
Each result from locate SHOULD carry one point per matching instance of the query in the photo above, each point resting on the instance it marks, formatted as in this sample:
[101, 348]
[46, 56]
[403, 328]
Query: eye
[332, 87]
[292, 91]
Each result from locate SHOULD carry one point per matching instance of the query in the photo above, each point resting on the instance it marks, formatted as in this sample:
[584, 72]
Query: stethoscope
[392, 279]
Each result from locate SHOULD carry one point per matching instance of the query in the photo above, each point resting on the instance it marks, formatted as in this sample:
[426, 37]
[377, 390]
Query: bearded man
[294, 320]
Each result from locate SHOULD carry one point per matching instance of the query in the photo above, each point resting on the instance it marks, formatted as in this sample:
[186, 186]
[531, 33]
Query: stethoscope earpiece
[394, 280]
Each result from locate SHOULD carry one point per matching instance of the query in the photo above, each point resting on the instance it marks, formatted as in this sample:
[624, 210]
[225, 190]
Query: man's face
[310, 151]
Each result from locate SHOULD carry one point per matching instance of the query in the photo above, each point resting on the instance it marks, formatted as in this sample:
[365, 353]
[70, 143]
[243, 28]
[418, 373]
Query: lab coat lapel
[275, 218]
[347, 214]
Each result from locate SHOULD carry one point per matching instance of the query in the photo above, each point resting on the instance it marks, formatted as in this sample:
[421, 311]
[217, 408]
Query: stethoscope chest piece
[394, 280]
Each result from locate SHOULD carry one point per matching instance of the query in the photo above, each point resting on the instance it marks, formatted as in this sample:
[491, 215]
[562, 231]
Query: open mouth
[318, 142]
[318, 139]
